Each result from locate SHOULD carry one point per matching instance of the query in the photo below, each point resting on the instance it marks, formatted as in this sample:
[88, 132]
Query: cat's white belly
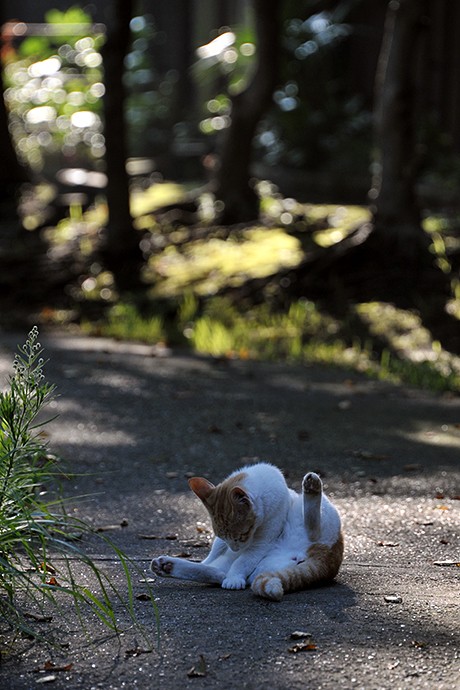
[278, 562]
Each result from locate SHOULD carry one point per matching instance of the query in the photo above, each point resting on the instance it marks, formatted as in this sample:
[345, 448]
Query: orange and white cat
[267, 535]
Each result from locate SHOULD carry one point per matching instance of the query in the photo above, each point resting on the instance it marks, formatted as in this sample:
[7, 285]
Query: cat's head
[230, 508]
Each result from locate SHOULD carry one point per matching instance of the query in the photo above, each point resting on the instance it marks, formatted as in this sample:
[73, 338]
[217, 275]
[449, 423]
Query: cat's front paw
[312, 484]
[234, 582]
[163, 565]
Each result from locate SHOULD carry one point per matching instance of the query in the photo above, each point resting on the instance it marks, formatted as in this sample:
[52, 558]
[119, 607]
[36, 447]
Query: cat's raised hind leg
[312, 491]
[169, 566]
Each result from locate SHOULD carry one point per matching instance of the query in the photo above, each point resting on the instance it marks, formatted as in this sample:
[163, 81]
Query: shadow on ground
[132, 427]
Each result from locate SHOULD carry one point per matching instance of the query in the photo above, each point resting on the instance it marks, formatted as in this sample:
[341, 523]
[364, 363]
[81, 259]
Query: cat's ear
[240, 496]
[201, 487]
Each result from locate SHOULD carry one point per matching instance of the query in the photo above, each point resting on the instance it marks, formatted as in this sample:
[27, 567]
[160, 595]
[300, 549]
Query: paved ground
[132, 426]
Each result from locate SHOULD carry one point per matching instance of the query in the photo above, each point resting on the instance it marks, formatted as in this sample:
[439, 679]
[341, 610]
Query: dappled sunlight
[211, 264]
[156, 196]
[340, 221]
[54, 89]
[446, 436]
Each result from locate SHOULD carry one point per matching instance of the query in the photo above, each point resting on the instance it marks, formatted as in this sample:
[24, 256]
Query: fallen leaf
[412, 467]
[425, 523]
[199, 670]
[214, 429]
[202, 528]
[53, 582]
[447, 563]
[143, 597]
[387, 543]
[303, 435]
[419, 644]
[443, 541]
[302, 647]
[393, 599]
[47, 568]
[47, 679]
[442, 507]
[299, 635]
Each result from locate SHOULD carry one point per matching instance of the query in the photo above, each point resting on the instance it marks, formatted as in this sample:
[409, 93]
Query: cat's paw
[163, 565]
[312, 484]
[234, 582]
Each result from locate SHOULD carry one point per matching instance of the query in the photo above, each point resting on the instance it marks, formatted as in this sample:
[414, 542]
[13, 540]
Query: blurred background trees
[241, 105]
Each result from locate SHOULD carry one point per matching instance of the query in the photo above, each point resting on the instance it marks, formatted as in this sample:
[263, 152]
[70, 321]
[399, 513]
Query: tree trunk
[121, 250]
[232, 183]
[396, 211]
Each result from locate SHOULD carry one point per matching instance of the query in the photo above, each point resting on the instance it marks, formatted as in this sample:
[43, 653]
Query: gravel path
[135, 422]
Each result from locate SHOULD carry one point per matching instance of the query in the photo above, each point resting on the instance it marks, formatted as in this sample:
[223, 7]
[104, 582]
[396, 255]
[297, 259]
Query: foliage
[54, 89]
[211, 263]
[125, 318]
[317, 122]
[42, 562]
[150, 94]
[225, 61]
[301, 334]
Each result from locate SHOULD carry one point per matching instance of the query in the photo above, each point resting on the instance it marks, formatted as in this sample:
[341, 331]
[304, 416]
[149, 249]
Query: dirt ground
[134, 423]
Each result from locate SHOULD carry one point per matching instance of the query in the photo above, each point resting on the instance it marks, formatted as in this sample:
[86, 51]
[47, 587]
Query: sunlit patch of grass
[156, 196]
[339, 221]
[401, 329]
[184, 269]
[417, 358]
[85, 225]
[303, 334]
[210, 264]
[258, 333]
[124, 322]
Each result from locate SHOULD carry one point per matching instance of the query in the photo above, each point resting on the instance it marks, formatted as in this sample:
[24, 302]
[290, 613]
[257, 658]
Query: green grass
[43, 563]
[125, 322]
[302, 334]
[184, 269]
[211, 264]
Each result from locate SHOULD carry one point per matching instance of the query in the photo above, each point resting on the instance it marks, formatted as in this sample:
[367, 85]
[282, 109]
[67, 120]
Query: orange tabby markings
[267, 535]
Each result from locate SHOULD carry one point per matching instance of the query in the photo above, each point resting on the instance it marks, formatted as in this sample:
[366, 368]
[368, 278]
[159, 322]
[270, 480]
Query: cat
[267, 535]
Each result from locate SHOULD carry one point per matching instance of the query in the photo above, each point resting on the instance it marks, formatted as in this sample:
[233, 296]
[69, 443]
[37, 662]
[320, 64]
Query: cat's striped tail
[322, 564]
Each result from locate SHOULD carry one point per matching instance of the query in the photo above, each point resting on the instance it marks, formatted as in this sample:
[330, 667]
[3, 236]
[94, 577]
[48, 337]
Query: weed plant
[43, 565]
